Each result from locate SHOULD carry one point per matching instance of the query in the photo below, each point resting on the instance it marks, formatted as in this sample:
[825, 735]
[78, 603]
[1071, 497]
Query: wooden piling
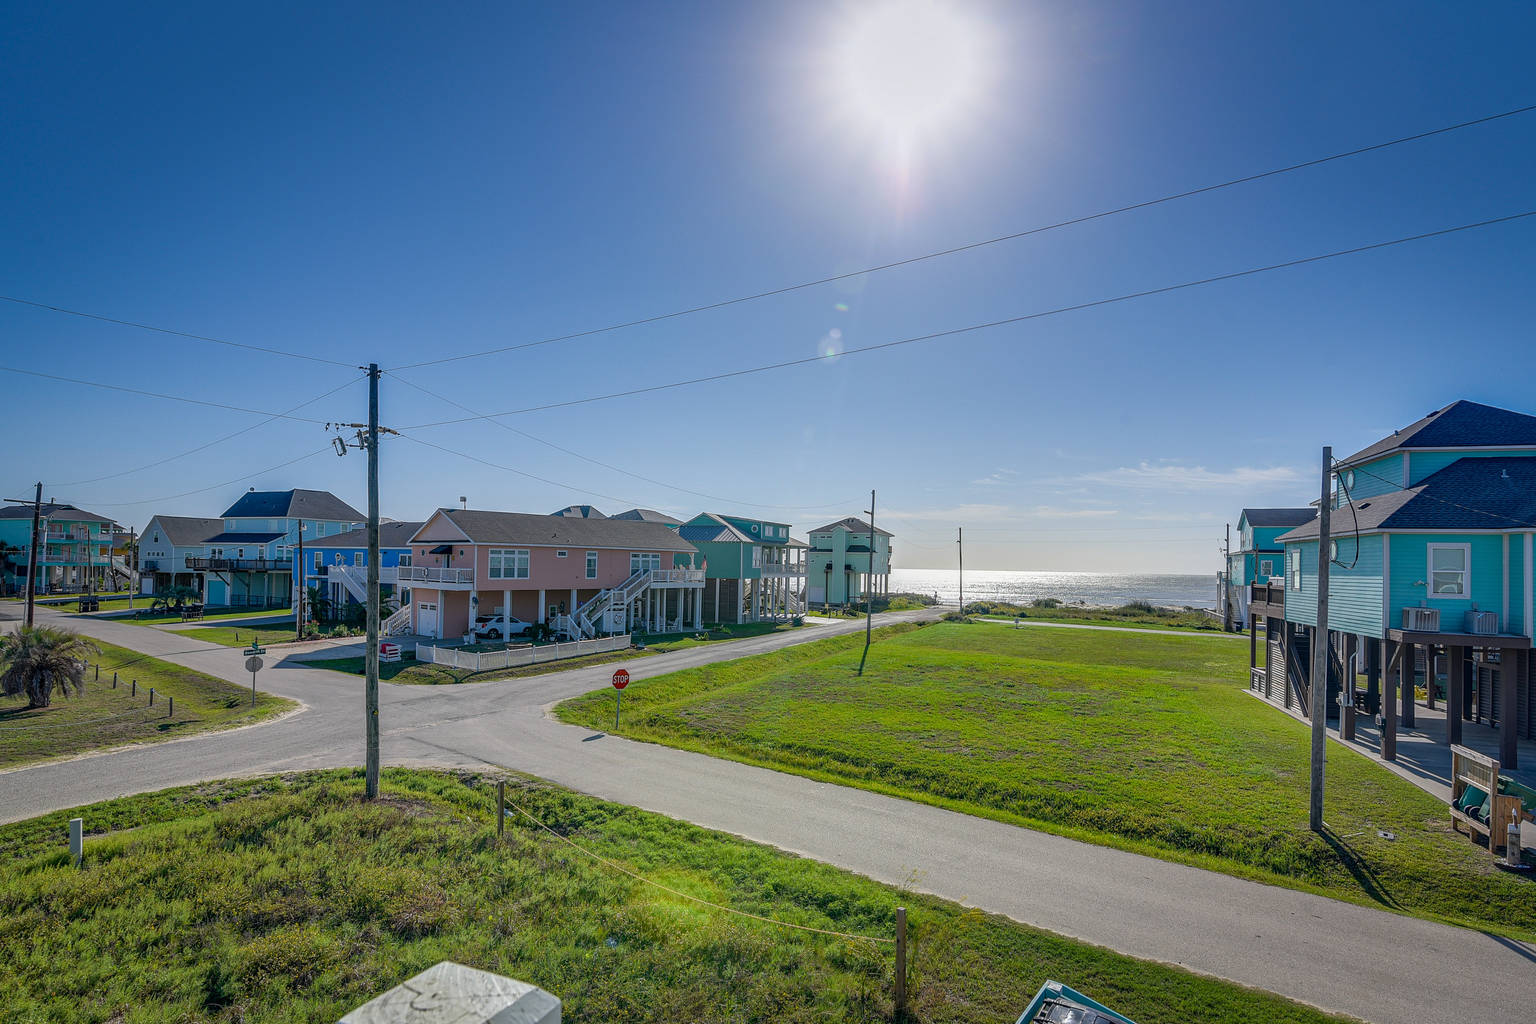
[901, 963]
[501, 808]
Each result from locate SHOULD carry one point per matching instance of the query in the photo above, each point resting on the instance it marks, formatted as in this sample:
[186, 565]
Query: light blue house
[338, 564]
[1431, 565]
[1258, 555]
[250, 562]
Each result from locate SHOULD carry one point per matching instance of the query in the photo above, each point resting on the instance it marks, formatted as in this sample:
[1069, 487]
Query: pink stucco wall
[546, 570]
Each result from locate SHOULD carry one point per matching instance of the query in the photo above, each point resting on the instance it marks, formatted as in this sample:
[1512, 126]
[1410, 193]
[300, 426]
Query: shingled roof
[564, 531]
[67, 513]
[295, 504]
[852, 525]
[1473, 493]
[391, 535]
[185, 531]
[1461, 424]
[648, 515]
[710, 528]
[1268, 518]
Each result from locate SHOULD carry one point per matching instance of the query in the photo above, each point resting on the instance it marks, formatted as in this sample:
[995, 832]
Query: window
[1448, 569]
[757, 557]
[643, 561]
[357, 558]
[1294, 567]
[1266, 567]
[405, 558]
[509, 563]
[591, 565]
[561, 554]
[319, 560]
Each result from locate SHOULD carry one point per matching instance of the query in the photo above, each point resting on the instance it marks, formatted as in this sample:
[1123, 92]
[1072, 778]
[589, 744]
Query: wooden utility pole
[37, 512]
[298, 606]
[371, 658]
[960, 546]
[869, 586]
[1317, 699]
[1226, 575]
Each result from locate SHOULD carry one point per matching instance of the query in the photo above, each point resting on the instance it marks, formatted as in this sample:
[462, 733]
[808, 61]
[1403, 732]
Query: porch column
[1406, 671]
[1389, 650]
[741, 596]
[1454, 690]
[1253, 645]
[1512, 672]
[718, 616]
[538, 615]
[506, 612]
[571, 608]
[1347, 688]
[1429, 675]
[698, 607]
[1469, 679]
[1269, 659]
[1372, 676]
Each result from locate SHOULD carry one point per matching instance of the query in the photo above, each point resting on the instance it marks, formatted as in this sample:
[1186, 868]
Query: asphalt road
[1371, 964]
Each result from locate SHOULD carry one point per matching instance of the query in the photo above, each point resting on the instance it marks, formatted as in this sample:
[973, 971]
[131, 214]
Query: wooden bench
[1468, 769]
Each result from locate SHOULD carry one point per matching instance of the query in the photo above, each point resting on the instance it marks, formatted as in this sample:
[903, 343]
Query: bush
[1045, 602]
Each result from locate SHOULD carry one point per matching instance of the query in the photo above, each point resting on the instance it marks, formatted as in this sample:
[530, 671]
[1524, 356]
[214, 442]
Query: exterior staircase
[587, 620]
[396, 624]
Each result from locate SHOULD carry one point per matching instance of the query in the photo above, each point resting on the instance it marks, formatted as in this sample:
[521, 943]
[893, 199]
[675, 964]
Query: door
[426, 618]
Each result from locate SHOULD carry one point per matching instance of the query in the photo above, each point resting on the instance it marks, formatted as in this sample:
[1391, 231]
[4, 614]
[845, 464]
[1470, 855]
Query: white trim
[1406, 475]
[1386, 581]
[442, 513]
[1530, 589]
[1466, 571]
[495, 572]
[1504, 591]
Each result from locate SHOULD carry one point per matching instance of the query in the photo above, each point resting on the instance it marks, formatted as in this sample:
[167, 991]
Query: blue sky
[393, 183]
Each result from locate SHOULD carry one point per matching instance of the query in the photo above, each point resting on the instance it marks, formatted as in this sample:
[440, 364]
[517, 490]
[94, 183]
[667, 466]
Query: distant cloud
[1057, 512]
[1173, 476]
[1001, 476]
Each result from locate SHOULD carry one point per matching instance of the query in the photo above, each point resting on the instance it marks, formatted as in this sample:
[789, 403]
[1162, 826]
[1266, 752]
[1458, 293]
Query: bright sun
[907, 67]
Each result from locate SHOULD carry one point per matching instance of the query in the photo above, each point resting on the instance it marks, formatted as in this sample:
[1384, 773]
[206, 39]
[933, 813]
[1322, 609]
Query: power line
[605, 465]
[155, 394]
[1086, 218]
[210, 444]
[509, 469]
[1397, 485]
[211, 487]
[935, 335]
[173, 333]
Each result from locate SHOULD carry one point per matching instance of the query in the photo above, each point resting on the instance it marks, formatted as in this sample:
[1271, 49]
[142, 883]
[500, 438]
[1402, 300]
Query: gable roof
[391, 535]
[710, 528]
[1461, 424]
[68, 513]
[243, 538]
[648, 515]
[483, 527]
[296, 504]
[1268, 518]
[184, 531]
[579, 512]
[1496, 493]
[852, 525]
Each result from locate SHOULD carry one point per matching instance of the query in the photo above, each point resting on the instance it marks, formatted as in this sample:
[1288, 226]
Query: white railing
[484, 661]
[399, 622]
[677, 576]
[434, 574]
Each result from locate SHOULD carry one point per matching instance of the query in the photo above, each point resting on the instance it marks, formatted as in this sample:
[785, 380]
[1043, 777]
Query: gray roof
[710, 528]
[1470, 494]
[295, 504]
[1461, 424]
[564, 531]
[648, 515]
[852, 525]
[579, 512]
[68, 513]
[391, 535]
[1272, 517]
[184, 531]
[242, 538]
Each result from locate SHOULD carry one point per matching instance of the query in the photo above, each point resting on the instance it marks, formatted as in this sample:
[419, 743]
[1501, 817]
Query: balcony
[438, 576]
[784, 569]
[1474, 628]
[677, 577]
[1267, 599]
[238, 564]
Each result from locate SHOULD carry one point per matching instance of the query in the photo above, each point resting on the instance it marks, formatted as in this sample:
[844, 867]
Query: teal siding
[1423, 464]
[1517, 595]
[1409, 567]
[1354, 594]
[1379, 477]
[1301, 605]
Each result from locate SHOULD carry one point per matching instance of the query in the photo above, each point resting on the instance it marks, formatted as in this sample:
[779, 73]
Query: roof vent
[1363, 505]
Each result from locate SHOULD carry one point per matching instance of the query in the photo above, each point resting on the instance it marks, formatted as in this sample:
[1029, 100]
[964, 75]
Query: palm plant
[35, 660]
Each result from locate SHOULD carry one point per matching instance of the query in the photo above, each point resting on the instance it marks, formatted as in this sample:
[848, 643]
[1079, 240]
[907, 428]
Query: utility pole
[132, 561]
[960, 547]
[1226, 574]
[371, 659]
[869, 586]
[37, 511]
[1317, 700]
[298, 610]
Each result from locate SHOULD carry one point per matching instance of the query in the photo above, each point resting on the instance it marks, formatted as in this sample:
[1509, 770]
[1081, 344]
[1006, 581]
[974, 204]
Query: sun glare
[904, 68]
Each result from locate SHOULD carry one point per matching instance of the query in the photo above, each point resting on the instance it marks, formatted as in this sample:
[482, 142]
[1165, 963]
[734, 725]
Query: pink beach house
[583, 576]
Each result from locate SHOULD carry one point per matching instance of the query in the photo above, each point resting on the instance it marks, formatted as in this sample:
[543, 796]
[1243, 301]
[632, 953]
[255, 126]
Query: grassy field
[290, 899]
[1144, 742]
[1138, 615]
[667, 642]
[104, 717]
[241, 636]
[248, 613]
[408, 672]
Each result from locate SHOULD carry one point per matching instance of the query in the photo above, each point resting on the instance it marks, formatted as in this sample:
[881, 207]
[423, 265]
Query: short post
[151, 696]
[114, 680]
[501, 808]
[170, 707]
[901, 962]
[134, 692]
[98, 674]
[76, 841]
[618, 699]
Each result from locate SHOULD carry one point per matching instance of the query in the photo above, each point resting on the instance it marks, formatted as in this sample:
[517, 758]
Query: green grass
[1137, 614]
[408, 672]
[248, 613]
[107, 717]
[290, 899]
[241, 636]
[721, 633]
[1144, 742]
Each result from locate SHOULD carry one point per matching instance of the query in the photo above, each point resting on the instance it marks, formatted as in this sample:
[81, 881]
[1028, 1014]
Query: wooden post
[98, 674]
[134, 692]
[901, 963]
[76, 841]
[1429, 675]
[1458, 684]
[1407, 668]
[1468, 680]
[151, 696]
[1391, 652]
[1372, 676]
[1253, 642]
[501, 808]
[1347, 690]
[1511, 675]
[1317, 690]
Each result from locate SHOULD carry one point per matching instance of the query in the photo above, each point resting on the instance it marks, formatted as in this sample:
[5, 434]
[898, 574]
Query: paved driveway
[1369, 963]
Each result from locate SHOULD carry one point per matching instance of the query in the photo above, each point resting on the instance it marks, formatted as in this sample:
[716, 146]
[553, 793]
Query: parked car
[497, 627]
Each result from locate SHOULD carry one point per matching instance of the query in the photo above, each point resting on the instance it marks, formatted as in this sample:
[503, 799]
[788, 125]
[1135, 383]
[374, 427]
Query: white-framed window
[509, 563]
[561, 554]
[405, 559]
[358, 558]
[215, 552]
[1450, 569]
[319, 560]
[757, 557]
[643, 561]
[591, 565]
[1293, 568]
[1266, 567]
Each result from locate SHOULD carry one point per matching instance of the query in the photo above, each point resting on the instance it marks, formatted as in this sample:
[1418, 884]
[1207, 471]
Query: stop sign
[620, 679]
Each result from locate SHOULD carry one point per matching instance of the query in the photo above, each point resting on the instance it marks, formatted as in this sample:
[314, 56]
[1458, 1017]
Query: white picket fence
[483, 661]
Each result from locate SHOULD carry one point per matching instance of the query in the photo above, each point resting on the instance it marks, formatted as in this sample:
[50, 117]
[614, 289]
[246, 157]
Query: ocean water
[1095, 589]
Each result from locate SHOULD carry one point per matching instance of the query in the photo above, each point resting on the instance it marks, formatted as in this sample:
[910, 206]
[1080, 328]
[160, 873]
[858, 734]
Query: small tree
[33, 661]
[317, 604]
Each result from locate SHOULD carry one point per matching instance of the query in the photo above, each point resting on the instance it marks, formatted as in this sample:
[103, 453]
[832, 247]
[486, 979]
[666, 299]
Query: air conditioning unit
[1421, 620]
[1483, 623]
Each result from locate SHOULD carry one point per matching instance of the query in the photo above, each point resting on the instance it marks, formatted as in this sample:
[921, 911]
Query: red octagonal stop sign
[620, 679]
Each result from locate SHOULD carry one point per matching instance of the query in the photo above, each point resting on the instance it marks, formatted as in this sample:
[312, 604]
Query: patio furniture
[1480, 800]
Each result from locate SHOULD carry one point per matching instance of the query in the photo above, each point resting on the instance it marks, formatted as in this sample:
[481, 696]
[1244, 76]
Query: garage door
[426, 618]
